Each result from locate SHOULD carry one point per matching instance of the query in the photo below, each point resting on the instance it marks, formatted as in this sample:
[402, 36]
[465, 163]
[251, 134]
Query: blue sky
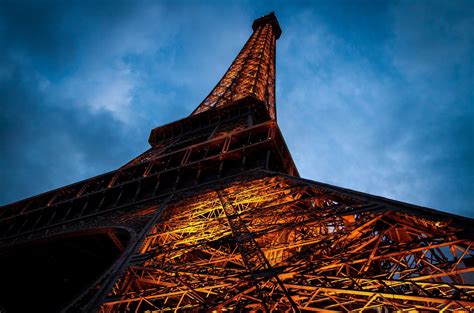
[375, 96]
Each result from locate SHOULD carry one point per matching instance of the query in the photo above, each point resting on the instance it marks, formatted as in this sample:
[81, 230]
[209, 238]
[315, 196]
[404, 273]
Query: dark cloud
[398, 125]
[47, 139]
[46, 145]
[82, 84]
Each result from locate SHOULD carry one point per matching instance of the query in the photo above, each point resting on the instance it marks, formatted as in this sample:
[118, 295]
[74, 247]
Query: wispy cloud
[399, 125]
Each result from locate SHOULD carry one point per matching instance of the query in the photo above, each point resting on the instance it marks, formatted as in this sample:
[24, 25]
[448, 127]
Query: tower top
[270, 18]
[252, 74]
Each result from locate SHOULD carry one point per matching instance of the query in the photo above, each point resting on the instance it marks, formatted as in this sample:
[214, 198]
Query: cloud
[45, 145]
[83, 84]
[108, 89]
[399, 125]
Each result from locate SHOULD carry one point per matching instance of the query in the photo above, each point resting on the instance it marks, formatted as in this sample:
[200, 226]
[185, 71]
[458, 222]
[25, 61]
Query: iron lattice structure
[214, 217]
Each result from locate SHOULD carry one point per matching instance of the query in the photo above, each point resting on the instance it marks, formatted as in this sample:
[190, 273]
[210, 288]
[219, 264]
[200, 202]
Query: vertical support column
[254, 259]
[108, 280]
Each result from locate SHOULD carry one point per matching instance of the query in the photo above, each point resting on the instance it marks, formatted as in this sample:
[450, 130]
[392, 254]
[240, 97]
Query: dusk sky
[376, 96]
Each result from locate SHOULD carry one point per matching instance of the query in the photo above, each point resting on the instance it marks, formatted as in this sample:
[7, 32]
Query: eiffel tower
[215, 217]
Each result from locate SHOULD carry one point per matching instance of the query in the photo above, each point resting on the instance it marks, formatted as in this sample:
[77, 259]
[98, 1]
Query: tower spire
[252, 74]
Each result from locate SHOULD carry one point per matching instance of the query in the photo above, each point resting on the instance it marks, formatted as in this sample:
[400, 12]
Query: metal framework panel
[279, 243]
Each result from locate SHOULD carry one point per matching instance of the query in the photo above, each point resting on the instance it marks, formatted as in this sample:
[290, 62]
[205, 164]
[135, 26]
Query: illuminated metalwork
[279, 242]
[218, 220]
[253, 71]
